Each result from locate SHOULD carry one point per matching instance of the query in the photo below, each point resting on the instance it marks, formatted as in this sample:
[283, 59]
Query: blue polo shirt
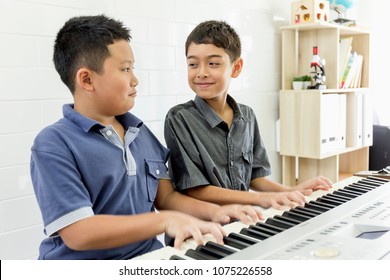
[80, 168]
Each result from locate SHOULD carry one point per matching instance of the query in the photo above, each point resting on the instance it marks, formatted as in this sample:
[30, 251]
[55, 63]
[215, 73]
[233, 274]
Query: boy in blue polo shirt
[217, 153]
[99, 172]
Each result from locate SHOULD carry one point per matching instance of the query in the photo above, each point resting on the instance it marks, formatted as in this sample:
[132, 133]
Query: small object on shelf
[306, 81]
[319, 70]
[297, 83]
[340, 7]
[309, 11]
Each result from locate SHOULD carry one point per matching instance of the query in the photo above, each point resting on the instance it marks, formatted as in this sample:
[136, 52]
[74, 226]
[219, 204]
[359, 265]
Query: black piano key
[306, 211]
[334, 202]
[253, 233]
[264, 229]
[296, 216]
[377, 179]
[315, 206]
[374, 181]
[356, 189]
[220, 248]
[335, 198]
[199, 255]
[242, 238]
[234, 243]
[354, 194]
[237, 241]
[176, 257]
[309, 210]
[345, 193]
[279, 223]
[211, 252]
[269, 226]
[362, 186]
[287, 219]
[323, 204]
[339, 197]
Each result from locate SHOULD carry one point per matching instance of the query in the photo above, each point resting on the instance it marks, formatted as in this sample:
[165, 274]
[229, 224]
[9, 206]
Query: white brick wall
[31, 93]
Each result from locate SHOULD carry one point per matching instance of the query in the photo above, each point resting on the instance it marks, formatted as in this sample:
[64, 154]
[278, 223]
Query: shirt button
[109, 133]
[157, 171]
[231, 163]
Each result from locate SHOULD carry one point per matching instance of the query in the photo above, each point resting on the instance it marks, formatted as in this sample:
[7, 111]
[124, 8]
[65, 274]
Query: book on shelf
[345, 48]
[352, 72]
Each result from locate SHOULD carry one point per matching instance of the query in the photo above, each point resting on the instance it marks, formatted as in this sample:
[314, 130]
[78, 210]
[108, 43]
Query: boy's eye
[214, 64]
[127, 69]
[192, 65]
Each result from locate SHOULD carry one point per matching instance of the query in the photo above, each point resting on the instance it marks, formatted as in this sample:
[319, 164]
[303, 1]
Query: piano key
[198, 255]
[239, 237]
[323, 204]
[362, 186]
[232, 242]
[339, 197]
[308, 210]
[287, 219]
[315, 206]
[335, 202]
[356, 189]
[164, 253]
[335, 198]
[269, 226]
[296, 216]
[352, 191]
[253, 233]
[211, 252]
[264, 229]
[372, 181]
[346, 193]
[278, 223]
[222, 248]
[176, 257]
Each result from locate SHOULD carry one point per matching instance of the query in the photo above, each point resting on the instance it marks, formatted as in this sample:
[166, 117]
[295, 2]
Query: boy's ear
[83, 79]
[237, 67]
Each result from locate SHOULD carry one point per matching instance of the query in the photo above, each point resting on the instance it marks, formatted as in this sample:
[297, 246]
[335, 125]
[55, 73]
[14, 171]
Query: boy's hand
[245, 213]
[281, 200]
[317, 183]
[182, 226]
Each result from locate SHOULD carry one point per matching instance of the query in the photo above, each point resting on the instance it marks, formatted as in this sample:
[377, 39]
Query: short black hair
[218, 33]
[82, 42]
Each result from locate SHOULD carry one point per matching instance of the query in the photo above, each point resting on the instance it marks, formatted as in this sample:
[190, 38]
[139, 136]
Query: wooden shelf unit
[302, 113]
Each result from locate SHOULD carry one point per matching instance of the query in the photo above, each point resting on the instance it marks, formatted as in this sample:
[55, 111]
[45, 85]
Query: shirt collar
[127, 119]
[211, 117]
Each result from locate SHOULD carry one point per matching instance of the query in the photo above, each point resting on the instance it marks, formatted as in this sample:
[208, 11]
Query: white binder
[342, 143]
[354, 119]
[367, 130]
[329, 122]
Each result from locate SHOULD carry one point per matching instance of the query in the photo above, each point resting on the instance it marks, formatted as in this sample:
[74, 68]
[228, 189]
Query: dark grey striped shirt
[204, 151]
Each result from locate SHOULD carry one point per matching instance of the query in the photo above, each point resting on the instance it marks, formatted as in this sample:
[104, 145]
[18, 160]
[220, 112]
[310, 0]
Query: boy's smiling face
[210, 70]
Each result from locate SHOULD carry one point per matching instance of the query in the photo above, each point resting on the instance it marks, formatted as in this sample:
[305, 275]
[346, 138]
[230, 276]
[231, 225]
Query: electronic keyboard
[350, 221]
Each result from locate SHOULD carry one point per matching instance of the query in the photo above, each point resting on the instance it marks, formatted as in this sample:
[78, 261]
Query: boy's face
[210, 70]
[115, 87]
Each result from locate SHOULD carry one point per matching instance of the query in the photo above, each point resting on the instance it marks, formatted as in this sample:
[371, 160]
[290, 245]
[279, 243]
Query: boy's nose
[202, 74]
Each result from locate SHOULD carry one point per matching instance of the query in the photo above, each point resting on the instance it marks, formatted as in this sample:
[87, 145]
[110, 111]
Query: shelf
[325, 91]
[323, 132]
[344, 30]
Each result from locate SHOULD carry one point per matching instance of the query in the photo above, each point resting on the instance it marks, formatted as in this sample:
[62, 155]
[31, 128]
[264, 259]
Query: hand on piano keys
[240, 236]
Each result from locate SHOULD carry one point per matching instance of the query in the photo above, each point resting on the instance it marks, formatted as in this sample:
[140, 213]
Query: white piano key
[164, 253]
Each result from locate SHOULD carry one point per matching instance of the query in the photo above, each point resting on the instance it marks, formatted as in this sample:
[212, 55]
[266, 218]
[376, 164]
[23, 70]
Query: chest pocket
[155, 170]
